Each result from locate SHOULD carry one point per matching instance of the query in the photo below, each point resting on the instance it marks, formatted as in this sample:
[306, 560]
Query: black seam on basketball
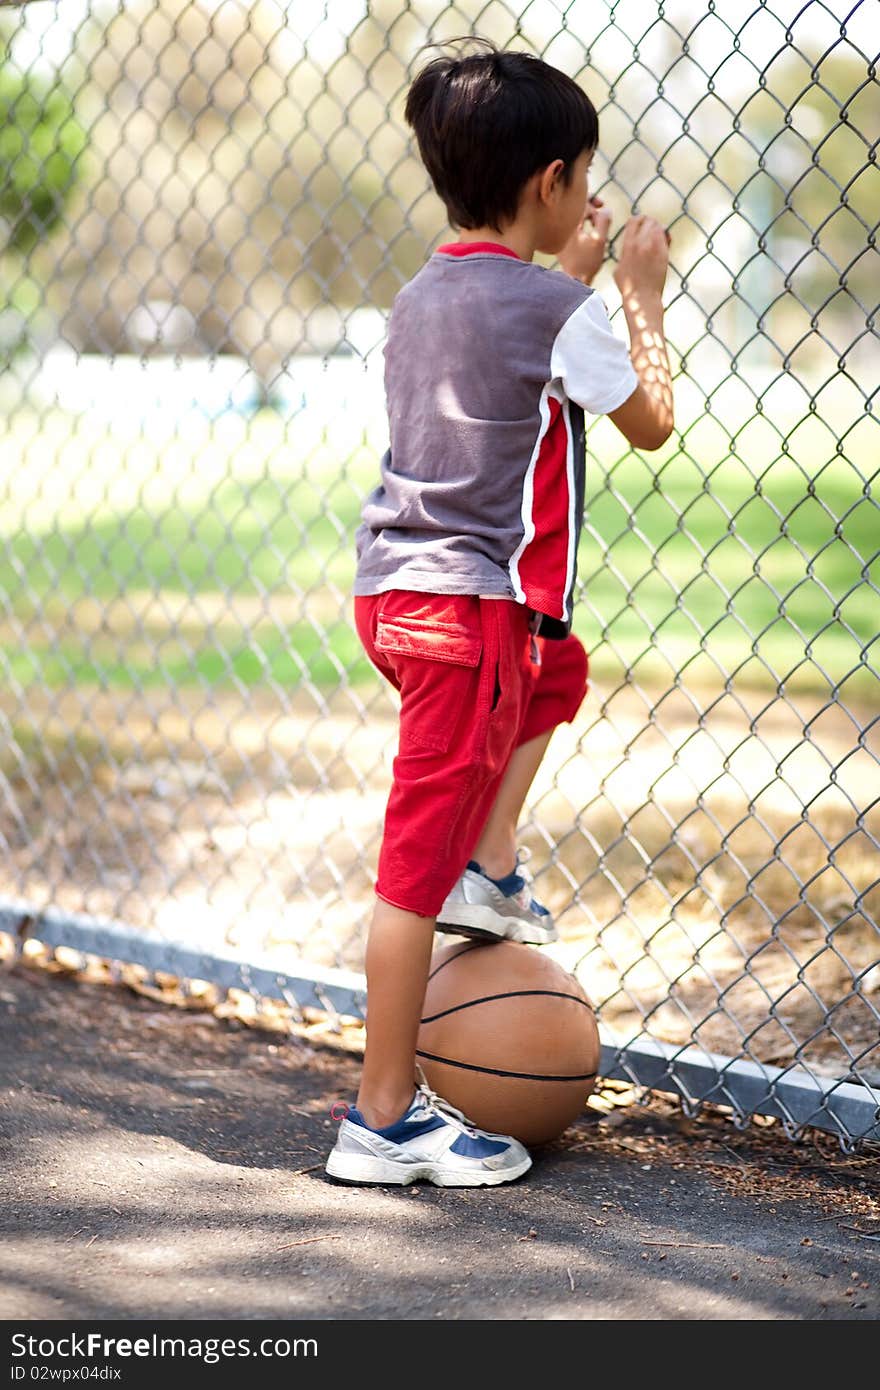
[512, 994]
[468, 946]
[494, 1071]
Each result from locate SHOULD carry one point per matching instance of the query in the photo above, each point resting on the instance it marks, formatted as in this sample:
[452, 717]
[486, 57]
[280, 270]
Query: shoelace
[442, 1107]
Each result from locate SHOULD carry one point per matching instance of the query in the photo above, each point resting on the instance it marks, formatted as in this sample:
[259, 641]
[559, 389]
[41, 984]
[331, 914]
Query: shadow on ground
[162, 1163]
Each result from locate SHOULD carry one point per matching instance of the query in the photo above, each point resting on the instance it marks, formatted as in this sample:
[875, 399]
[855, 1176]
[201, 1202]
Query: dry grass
[712, 879]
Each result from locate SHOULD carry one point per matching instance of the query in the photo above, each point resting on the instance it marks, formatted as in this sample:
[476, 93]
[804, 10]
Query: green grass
[759, 570]
[677, 563]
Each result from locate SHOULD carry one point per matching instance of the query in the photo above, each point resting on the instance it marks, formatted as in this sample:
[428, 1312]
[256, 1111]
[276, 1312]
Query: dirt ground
[711, 857]
[162, 1162]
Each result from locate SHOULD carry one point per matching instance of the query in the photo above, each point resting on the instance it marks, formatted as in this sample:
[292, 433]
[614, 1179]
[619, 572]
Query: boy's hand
[644, 258]
[584, 252]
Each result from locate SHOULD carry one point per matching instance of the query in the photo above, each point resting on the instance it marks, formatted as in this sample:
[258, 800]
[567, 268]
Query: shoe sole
[357, 1169]
[472, 919]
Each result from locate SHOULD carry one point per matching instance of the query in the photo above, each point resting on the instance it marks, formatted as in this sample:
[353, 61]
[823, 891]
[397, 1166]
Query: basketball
[509, 1038]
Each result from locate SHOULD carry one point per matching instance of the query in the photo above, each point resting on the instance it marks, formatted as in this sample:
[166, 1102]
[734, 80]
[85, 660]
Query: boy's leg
[492, 899]
[496, 848]
[398, 958]
[555, 698]
[397, 1133]
[446, 773]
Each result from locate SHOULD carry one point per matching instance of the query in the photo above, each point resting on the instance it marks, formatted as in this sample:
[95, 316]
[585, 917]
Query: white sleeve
[592, 363]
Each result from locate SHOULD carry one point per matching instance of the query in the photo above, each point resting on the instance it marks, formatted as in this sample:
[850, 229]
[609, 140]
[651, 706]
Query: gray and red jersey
[490, 363]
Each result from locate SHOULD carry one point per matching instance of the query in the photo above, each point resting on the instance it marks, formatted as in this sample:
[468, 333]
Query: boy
[466, 553]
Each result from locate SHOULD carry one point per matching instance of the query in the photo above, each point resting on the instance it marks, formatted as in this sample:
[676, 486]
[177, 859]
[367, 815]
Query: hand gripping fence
[207, 209]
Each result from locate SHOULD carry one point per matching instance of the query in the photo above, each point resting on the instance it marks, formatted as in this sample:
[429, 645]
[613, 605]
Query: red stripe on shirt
[466, 248]
[543, 565]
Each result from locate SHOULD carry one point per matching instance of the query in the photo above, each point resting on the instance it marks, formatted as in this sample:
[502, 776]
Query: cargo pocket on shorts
[435, 662]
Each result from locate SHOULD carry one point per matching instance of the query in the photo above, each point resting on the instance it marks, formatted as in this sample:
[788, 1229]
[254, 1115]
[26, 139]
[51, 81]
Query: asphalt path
[162, 1163]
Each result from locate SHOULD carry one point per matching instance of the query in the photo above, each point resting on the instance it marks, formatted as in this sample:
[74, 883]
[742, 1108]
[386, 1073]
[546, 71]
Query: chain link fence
[207, 208]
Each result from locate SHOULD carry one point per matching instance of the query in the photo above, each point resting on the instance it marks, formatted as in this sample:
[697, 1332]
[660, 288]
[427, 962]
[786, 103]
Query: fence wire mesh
[207, 209]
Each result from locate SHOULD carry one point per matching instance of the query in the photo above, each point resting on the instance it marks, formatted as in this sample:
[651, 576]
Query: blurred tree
[251, 168]
[812, 198]
[41, 149]
[40, 145]
[243, 177]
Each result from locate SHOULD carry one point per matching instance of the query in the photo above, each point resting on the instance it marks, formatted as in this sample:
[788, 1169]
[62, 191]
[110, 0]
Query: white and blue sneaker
[497, 909]
[431, 1142]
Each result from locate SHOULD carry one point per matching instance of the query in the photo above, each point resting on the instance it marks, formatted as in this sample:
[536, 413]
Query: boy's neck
[520, 240]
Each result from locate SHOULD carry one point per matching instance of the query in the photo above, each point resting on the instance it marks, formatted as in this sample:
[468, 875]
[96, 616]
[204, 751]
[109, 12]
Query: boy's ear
[549, 178]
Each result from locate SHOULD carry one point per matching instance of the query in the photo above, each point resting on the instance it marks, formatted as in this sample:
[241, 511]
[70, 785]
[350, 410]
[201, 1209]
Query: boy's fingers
[654, 230]
[597, 214]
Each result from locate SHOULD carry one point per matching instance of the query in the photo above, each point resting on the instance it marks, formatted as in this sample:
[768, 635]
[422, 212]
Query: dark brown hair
[487, 121]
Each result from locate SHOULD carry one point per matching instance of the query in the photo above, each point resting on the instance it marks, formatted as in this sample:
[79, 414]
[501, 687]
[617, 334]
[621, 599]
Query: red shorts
[474, 684]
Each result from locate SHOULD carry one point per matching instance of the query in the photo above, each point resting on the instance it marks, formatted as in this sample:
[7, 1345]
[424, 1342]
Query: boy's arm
[646, 419]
